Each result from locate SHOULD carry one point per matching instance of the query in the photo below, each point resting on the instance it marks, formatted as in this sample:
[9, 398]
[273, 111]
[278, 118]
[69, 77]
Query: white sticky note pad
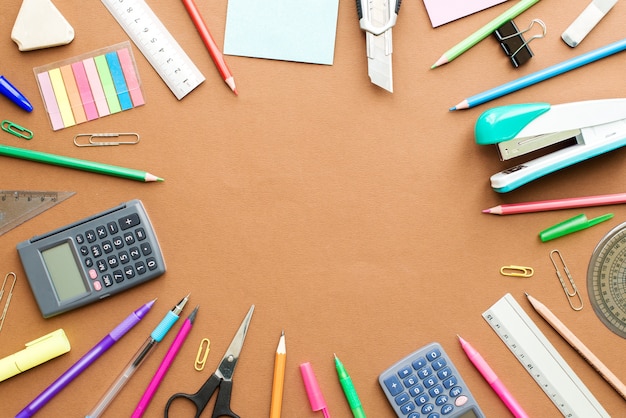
[586, 21]
[289, 30]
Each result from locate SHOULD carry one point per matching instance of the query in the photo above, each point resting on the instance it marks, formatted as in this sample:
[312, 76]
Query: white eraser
[586, 21]
[39, 24]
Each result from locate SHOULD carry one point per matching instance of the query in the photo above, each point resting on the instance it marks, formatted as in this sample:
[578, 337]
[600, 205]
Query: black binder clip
[513, 43]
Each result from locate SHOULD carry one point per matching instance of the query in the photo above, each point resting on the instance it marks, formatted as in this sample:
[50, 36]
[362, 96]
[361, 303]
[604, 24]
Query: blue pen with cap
[9, 90]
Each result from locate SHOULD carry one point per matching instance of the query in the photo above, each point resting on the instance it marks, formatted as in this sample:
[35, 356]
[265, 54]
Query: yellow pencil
[279, 378]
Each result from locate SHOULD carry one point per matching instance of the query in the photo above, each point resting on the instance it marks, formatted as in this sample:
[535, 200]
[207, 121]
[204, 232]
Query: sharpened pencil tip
[441, 61]
[486, 210]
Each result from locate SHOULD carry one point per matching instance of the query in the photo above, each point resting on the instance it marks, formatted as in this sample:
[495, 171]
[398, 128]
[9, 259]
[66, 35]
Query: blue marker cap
[14, 94]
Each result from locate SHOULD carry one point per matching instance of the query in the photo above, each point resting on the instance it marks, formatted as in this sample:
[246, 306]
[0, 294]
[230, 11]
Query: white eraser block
[586, 21]
[39, 24]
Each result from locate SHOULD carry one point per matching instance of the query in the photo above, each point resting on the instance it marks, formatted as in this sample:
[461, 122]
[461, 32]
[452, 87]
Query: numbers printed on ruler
[541, 360]
[157, 45]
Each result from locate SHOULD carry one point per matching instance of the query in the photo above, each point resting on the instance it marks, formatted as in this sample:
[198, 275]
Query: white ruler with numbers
[157, 44]
[541, 360]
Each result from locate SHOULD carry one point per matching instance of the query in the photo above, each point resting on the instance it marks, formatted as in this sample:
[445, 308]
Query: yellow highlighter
[36, 352]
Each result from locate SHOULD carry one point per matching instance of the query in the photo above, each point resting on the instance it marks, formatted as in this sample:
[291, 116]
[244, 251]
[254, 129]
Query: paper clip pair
[15, 129]
[574, 293]
[203, 353]
[513, 43]
[94, 140]
[9, 296]
[517, 271]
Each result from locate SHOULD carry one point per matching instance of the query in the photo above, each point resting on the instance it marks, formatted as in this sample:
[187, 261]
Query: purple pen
[85, 361]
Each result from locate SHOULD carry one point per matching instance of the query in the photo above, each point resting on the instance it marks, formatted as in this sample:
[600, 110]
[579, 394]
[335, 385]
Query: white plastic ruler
[541, 360]
[157, 44]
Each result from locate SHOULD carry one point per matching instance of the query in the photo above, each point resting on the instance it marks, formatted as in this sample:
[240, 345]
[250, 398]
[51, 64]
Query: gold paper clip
[200, 362]
[516, 271]
[6, 304]
[569, 294]
[92, 142]
[15, 129]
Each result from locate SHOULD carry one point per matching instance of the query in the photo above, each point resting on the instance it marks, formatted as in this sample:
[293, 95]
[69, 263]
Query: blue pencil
[542, 75]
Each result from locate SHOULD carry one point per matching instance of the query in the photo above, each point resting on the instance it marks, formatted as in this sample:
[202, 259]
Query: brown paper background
[349, 216]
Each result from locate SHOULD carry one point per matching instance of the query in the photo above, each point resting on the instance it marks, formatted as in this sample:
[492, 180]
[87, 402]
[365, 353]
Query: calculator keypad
[426, 384]
[116, 251]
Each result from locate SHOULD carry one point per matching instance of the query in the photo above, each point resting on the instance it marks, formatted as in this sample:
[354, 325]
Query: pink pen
[493, 380]
[313, 390]
[165, 365]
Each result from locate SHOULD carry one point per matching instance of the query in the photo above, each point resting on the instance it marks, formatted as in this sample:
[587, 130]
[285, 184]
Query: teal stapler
[575, 131]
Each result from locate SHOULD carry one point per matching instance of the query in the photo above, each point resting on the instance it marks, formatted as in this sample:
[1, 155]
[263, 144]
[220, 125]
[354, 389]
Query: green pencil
[100, 168]
[483, 32]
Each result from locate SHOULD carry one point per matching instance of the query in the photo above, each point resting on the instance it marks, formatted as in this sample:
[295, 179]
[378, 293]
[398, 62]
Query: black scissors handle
[201, 398]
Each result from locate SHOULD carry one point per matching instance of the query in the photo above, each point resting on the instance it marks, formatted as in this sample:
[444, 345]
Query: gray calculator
[426, 384]
[92, 259]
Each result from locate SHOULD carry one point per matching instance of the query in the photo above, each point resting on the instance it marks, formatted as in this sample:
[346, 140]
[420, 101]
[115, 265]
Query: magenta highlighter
[313, 390]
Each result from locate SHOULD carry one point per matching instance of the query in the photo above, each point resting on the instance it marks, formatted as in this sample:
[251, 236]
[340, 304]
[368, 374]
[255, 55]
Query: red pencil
[545, 205]
[214, 51]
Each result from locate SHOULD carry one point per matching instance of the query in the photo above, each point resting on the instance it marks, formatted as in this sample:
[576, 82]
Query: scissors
[221, 379]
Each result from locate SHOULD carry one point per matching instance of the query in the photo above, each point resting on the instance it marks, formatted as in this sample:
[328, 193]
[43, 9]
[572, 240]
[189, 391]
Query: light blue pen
[156, 336]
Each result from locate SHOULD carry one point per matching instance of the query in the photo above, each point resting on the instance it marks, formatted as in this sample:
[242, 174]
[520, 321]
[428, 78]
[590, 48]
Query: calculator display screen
[64, 272]
[468, 414]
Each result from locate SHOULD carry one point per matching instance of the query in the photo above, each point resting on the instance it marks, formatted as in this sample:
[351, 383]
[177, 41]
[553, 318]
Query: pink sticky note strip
[445, 11]
[50, 101]
[96, 87]
[85, 91]
[131, 77]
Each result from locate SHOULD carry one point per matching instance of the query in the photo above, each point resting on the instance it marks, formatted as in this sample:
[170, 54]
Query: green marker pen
[349, 390]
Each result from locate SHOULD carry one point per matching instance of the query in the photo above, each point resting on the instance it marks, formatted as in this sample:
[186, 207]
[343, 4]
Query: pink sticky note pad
[441, 12]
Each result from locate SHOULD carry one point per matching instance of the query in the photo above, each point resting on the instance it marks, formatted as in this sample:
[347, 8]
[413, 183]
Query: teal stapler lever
[566, 134]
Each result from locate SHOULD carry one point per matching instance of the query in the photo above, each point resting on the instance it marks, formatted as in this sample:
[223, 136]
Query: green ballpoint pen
[349, 390]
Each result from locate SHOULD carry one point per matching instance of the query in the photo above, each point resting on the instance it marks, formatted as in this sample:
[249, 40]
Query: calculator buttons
[101, 231]
[129, 221]
[113, 250]
[393, 385]
[145, 249]
[425, 384]
[152, 263]
[112, 228]
[91, 236]
[104, 252]
[140, 234]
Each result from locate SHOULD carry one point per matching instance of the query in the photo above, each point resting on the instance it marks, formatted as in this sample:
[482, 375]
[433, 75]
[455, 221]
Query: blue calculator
[426, 384]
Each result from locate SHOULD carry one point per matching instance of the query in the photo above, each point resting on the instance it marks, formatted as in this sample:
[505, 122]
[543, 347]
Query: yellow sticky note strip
[62, 99]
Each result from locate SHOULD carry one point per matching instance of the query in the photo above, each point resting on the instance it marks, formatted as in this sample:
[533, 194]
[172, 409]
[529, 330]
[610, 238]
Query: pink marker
[313, 390]
[496, 384]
